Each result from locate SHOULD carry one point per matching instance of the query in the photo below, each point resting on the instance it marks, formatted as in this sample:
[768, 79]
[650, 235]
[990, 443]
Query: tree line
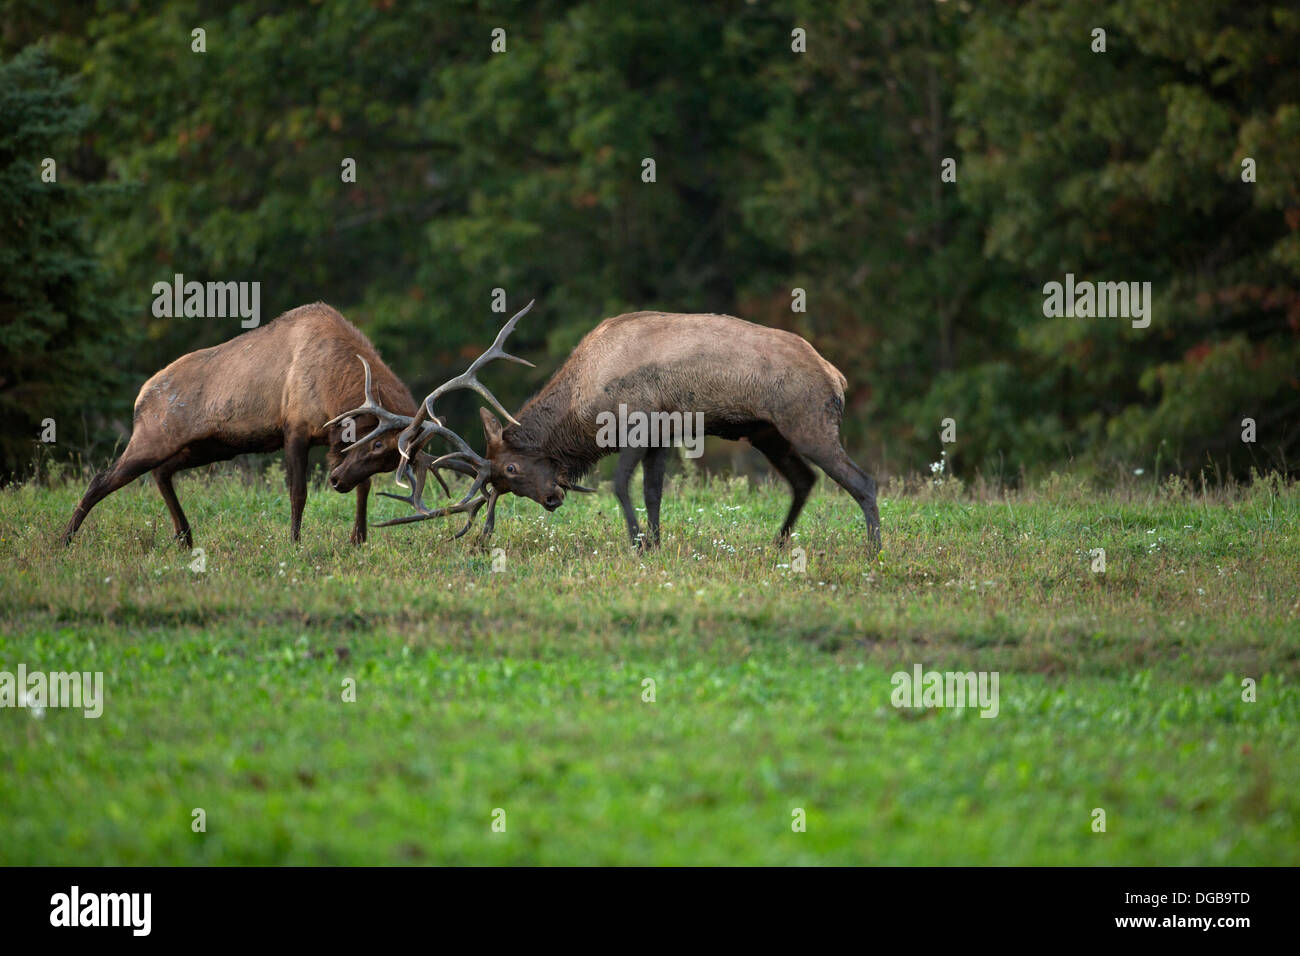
[899, 183]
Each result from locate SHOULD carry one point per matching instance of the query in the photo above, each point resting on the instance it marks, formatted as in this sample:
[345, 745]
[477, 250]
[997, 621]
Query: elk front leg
[163, 476]
[628, 459]
[296, 448]
[359, 525]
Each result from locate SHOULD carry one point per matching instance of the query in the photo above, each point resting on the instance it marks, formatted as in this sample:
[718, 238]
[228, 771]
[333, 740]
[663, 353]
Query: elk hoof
[874, 543]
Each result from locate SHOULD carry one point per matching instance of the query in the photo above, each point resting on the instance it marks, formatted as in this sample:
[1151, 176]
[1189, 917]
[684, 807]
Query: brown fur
[272, 387]
[769, 386]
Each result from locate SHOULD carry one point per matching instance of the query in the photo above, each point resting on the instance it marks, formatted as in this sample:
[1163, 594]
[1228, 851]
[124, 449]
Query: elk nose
[334, 483]
[553, 500]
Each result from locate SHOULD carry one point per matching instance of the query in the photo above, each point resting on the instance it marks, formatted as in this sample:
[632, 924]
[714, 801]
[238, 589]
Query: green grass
[522, 690]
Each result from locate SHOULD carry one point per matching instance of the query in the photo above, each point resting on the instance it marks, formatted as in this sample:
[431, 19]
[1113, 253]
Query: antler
[387, 420]
[460, 507]
[417, 433]
[419, 429]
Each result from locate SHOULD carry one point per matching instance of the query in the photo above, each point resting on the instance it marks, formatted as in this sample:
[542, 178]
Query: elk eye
[511, 470]
[377, 445]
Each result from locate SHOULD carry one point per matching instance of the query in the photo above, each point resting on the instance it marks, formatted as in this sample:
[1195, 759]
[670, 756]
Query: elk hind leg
[782, 456]
[652, 475]
[831, 458]
[130, 466]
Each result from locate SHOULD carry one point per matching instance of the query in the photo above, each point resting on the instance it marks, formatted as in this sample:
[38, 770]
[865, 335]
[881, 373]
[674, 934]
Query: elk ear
[491, 430]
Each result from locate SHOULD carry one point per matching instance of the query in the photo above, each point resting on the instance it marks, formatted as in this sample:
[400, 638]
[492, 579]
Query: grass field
[523, 689]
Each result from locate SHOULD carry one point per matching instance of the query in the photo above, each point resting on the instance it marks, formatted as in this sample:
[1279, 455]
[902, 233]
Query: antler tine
[458, 462]
[469, 378]
[406, 446]
[490, 521]
[387, 420]
[476, 487]
[423, 464]
[425, 424]
[472, 507]
[452, 462]
[455, 461]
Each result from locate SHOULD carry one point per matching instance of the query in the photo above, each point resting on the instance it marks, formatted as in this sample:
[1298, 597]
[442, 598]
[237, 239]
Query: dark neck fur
[549, 426]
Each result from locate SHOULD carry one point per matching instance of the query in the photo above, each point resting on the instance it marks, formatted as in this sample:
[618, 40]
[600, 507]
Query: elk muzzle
[339, 484]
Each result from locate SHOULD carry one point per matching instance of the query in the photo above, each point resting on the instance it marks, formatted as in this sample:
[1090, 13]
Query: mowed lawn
[524, 690]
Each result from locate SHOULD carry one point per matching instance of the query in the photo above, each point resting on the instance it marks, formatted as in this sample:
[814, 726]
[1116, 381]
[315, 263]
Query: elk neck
[549, 424]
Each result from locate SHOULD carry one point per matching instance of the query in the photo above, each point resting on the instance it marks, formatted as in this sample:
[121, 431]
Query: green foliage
[775, 170]
[1128, 165]
[522, 689]
[62, 335]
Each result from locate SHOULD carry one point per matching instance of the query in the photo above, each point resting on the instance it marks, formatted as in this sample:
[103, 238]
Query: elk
[748, 381]
[266, 389]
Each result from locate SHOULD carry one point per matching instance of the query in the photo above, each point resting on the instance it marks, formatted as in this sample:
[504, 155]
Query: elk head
[379, 455]
[520, 471]
[413, 465]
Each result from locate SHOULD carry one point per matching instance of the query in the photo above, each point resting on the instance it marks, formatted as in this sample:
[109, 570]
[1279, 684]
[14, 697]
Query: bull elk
[266, 389]
[748, 381]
